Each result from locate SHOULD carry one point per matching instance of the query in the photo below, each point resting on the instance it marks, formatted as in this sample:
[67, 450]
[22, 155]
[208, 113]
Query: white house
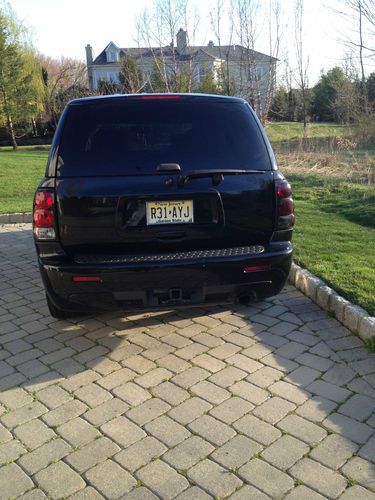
[250, 70]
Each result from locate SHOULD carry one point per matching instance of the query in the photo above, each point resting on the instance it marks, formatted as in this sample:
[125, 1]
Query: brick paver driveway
[275, 400]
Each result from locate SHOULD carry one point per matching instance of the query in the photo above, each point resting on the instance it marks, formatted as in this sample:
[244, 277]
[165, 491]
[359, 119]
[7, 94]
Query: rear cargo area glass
[133, 137]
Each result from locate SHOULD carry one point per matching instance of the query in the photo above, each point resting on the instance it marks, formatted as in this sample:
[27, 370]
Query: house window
[112, 56]
[112, 77]
[146, 72]
[260, 73]
[200, 73]
[170, 72]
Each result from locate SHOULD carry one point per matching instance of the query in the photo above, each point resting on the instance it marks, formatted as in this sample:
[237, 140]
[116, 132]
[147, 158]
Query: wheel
[54, 311]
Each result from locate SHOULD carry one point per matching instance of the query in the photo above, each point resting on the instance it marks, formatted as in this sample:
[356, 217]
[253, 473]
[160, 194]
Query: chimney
[181, 39]
[88, 54]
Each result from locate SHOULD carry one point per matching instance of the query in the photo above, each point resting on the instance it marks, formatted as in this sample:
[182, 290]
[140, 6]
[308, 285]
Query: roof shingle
[233, 53]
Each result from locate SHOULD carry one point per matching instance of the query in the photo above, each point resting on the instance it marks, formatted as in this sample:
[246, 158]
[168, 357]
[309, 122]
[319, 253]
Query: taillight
[43, 215]
[44, 199]
[285, 205]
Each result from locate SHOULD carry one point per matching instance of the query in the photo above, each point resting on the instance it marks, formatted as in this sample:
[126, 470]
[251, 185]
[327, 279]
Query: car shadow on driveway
[270, 397]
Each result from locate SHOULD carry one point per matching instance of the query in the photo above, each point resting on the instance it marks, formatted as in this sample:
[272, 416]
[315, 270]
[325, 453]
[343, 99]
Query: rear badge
[169, 212]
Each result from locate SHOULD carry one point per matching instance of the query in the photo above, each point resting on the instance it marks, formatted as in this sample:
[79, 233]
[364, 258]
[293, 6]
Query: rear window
[134, 137]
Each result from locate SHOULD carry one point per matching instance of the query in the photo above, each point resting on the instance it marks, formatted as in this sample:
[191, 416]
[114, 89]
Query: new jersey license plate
[169, 212]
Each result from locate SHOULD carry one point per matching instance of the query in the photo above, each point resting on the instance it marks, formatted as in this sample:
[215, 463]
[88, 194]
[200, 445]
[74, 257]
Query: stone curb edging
[355, 318]
[15, 218]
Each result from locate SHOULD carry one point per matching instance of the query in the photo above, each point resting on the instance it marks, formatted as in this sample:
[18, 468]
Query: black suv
[158, 201]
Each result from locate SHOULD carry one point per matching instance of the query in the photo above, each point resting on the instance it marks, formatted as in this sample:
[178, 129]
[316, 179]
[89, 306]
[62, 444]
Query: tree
[226, 83]
[302, 62]
[157, 81]
[181, 81]
[359, 33]
[21, 83]
[371, 90]
[209, 85]
[336, 96]
[279, 110]
[274, 35]
[157, 28]
[32, 102]
[106, 87]
[325, 93]
[253, 76]
[357, 6]
[130, 75]
[65, 79]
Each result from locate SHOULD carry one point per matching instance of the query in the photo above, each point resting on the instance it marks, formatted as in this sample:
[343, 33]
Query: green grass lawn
[335, 233]
[284, 131]
[20, 173]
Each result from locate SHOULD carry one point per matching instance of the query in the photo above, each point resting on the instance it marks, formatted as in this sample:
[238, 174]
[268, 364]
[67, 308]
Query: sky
[64, 27]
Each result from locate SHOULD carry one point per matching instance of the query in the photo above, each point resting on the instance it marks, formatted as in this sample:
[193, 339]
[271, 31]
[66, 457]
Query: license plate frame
[169, 212]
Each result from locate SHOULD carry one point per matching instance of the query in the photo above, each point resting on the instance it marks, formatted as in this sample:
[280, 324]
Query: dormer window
[112, 53]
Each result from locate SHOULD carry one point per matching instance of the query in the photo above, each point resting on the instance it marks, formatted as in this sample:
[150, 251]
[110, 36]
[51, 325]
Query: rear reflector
[251, 269]
[86, 279]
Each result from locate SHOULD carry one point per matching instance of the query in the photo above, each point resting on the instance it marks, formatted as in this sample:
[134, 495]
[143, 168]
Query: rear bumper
[167, 283]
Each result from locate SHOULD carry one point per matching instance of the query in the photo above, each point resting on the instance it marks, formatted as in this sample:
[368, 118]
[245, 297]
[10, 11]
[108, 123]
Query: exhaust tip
[246, 298]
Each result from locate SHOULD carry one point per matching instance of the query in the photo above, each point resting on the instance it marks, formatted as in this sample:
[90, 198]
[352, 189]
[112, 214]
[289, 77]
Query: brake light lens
[283, 189]
[44, 199]
[43, 218]
[43, 215]
[285, 205]
[166, 97]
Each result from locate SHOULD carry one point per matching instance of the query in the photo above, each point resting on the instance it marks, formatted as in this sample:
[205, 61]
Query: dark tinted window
[119, 138]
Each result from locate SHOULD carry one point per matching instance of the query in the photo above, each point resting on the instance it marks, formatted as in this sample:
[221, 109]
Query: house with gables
[250, 70]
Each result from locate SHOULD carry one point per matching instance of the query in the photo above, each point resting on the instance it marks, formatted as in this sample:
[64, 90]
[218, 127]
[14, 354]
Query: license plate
[169, 212]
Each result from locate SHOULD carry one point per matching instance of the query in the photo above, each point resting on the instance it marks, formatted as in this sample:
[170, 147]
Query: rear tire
[55, 311]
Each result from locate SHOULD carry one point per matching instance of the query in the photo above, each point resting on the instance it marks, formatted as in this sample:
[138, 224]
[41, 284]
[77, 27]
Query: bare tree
[248, 23]
[369, 13]
[275, 29]
[157, 29]
[359, 35]
[358, 7]
[302, 61]
[244, 71]
[223, 70]
[236, 25]
[62, 76]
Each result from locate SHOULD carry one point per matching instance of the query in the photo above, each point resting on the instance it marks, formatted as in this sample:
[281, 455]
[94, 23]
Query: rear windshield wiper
[216, 174]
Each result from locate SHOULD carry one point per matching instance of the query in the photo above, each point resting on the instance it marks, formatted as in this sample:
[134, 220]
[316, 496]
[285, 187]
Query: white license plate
[169, 212]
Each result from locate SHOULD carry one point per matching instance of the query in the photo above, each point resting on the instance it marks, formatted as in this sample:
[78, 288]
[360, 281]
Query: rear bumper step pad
[170, 257]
